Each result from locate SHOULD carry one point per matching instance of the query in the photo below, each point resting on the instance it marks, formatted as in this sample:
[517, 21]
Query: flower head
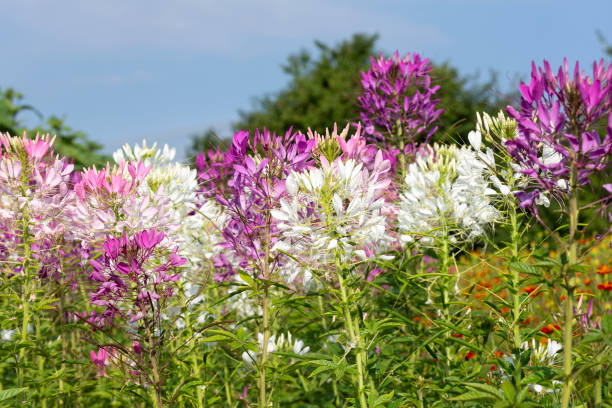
[397, 105]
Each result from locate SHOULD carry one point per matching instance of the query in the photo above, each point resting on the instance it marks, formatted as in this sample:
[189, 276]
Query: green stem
[355, 342]
[444, 266]
[266, 317]
[597, 389]
[228, 394]
[569, 281]
[25, 301]
[516, 296]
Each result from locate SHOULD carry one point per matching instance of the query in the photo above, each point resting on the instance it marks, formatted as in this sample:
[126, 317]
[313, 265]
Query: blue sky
[124, 70]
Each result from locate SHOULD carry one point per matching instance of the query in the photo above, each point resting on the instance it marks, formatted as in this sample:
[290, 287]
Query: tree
[68, 142]
[206, 141]
[607, 48]
[324, 90]
[321, 91]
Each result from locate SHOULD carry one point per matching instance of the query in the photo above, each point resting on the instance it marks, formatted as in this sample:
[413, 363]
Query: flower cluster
[446, 194]
[337, 209]
[558, 123]
[134, 275]
[397, 105]
[36, 199]
[198, 219]
[260, 166]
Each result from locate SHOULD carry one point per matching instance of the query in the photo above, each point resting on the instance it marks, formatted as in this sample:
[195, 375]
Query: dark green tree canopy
[68, 142]
[323, 90]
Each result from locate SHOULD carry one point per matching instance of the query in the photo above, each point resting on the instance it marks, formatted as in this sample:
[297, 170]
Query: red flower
[607, 286]
[470, 355]
[549, 328]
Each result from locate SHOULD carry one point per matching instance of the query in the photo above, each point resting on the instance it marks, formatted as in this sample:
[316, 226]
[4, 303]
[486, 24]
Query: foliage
[323, 89]
[316, 269]
[69, 142]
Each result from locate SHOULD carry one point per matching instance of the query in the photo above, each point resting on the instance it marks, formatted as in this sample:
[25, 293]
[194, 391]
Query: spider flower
[134, 275]
[116, 199]
[337, 209]
[397, 105]
[36, 198]
[445, 192]
[260, 166]
[558, 124]
[199, 219]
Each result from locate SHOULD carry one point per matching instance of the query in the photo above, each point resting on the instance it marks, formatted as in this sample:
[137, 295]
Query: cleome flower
[179, 184]
[133, 274]
[397, 105]
[558, 129]
[280, 343]
[445, 192]
[335, 210]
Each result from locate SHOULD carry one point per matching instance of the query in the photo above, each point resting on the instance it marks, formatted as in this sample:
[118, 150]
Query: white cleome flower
[446, 192]
[281, 343]
[335, 210]
[199, 222]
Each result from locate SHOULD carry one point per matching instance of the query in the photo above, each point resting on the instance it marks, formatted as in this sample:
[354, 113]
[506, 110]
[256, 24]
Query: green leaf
[494, 392]
[509, 390]
[10, 393]
[524, 268]
[473, 396]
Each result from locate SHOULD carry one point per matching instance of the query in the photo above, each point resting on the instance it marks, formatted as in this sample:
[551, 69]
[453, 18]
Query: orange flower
[531, 290]
[588, 281]
[603, 270]
[549, 328]
[499, 354]
[607, 286]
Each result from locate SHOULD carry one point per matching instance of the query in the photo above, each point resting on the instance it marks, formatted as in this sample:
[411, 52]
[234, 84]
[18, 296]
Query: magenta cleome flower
[133, 276]
[397, 105]
[559, 126]
[259, 166]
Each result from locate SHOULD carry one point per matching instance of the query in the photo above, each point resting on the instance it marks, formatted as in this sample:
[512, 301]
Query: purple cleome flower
[131, 278]
[558, 125]
[396, 105]
[260, 166]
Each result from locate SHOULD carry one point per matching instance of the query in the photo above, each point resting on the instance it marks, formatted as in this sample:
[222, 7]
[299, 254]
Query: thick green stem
[228, 393]
[266, 317]
[569, 307]
[597, 389]
[355, 342]
[516, 295]
[444, 267]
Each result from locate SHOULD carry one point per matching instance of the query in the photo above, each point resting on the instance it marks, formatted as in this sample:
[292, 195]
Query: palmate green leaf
[11, 392]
